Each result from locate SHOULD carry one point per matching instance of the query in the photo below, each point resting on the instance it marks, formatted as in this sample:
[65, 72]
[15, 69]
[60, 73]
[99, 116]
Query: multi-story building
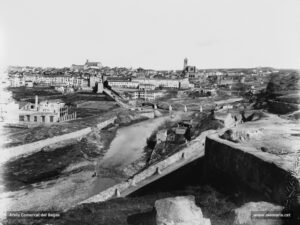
[17, 81]
[147, 95]
[92, 65]
[123, 83]
[146, 87]
[163, 83]
[61, 80]
[50, 111]
[88, 65]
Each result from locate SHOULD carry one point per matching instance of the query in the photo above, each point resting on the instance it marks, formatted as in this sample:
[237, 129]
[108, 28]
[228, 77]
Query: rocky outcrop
[240, 135]
[180, 210]
[245, 215]
[229, 121]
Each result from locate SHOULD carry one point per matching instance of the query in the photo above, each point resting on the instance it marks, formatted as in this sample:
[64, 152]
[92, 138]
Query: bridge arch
[171, 106]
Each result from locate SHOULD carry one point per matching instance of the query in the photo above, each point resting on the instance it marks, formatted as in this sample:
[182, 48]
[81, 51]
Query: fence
[68, 117]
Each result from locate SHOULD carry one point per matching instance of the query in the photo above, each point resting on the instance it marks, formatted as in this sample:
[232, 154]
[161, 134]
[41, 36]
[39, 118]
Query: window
[43, 119]
[28, 118]
[51, 119]
[21, 118]
[35, 118]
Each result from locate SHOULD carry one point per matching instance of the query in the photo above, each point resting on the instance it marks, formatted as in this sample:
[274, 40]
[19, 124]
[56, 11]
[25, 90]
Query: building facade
[50, 111]
[123, 84]
[147, 95]
[163, 83]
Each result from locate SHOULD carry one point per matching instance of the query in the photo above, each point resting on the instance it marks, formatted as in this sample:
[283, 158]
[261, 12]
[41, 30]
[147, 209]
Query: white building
[28, 83]
[17, 81]
[147, 87]
[86, 66]
[92, 65]
[49, 111]
[53, 80]
[147, 95]
[123, 84]
[164, 83]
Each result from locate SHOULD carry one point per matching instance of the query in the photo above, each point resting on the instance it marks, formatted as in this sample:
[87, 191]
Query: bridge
[106, 89]
[171, 105]
[123, 103]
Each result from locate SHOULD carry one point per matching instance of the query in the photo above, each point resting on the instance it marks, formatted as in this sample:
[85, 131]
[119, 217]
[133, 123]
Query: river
[126, 148]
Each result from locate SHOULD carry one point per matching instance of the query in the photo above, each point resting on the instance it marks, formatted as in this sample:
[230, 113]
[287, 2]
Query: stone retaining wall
[30, 148]
[106, 123]
[193, 149]
[261, 171]
[266, 173]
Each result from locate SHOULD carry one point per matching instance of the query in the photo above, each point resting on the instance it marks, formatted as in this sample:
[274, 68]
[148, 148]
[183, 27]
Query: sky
[156, 34]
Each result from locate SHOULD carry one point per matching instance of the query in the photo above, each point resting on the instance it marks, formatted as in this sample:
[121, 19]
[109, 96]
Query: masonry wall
[33, 147]
[260, 171]
[195, 149]
[225, 161]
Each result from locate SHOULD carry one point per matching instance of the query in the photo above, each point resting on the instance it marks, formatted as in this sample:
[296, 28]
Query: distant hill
[283, 91]
[284, 83]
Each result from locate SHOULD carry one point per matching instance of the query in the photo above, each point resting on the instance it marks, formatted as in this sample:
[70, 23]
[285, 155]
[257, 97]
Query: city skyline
[151, 34]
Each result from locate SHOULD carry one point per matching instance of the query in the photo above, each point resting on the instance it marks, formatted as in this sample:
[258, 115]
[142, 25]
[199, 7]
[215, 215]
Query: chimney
[36, 102]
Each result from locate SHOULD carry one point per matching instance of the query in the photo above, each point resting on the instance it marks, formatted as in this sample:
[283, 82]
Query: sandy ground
[278, 135]
[275, 135]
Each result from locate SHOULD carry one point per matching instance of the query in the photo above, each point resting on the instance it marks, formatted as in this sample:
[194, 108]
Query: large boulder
[243, 214]
[180, 210]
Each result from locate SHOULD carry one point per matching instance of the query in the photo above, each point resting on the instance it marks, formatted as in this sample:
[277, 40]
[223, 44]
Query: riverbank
[40, 180]
[218, 195]
[125, 150]
[155, 152]
[60, 177]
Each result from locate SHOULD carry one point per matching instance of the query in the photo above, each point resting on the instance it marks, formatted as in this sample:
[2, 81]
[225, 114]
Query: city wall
[194, 149]
[258, 170]
[33, 147]
[266, 173]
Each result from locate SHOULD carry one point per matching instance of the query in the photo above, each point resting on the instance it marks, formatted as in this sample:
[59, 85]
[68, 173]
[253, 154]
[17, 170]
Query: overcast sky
[154, 34]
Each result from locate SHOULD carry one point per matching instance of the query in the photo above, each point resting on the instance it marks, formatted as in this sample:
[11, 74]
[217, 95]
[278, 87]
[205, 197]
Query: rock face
[229, 121]
[180, 210]
[243, 214]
